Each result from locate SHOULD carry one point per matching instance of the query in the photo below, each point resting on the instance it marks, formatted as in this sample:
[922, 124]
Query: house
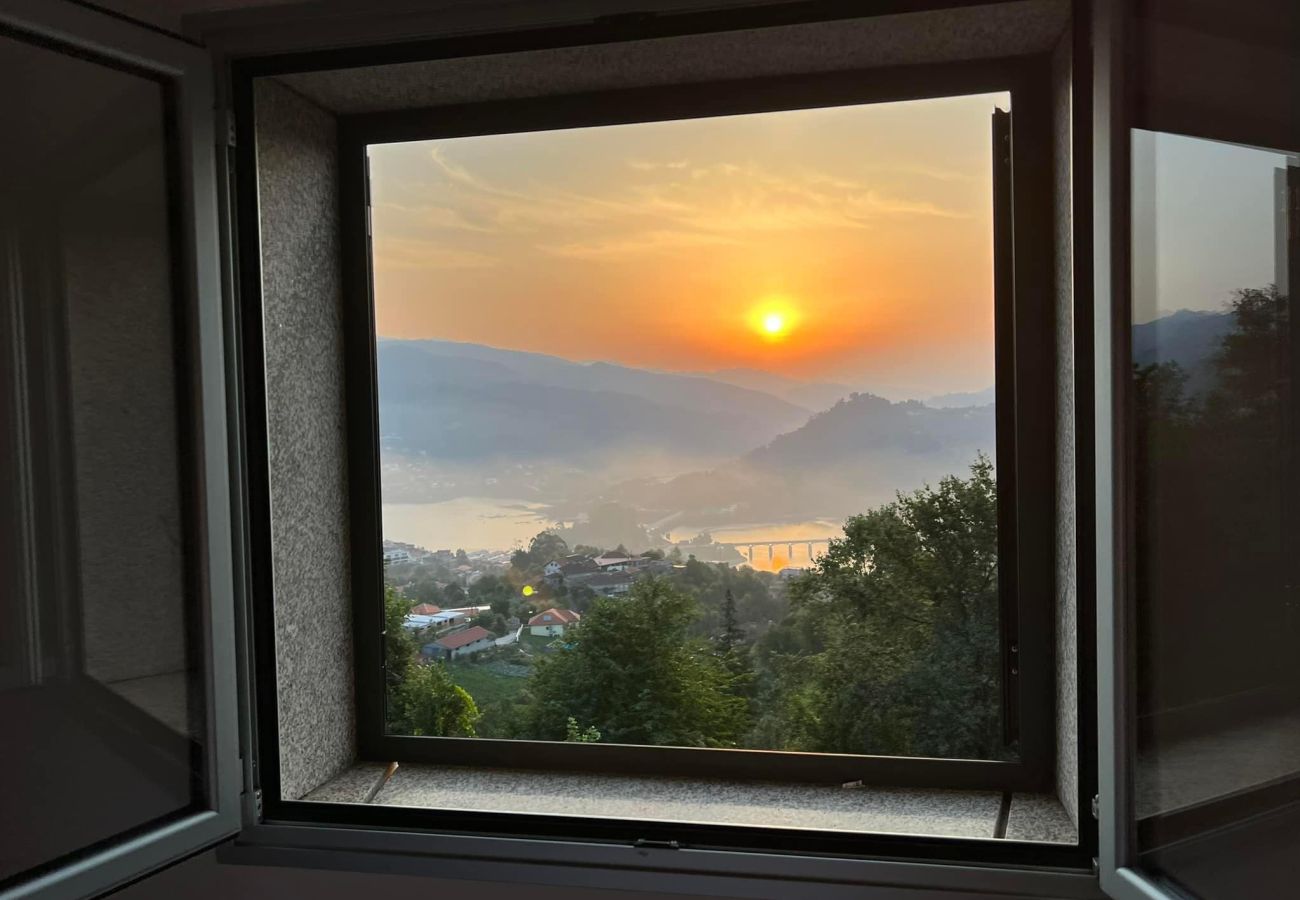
[611, 584]
[415, 622]
[450, 618]
[397, 555]
[789, 573]
[425, 609]
[569, 567]
[612, 562]
[552, 621]
[460, 643]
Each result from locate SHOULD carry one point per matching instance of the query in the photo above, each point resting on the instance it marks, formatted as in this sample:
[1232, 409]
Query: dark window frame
[1025, 400]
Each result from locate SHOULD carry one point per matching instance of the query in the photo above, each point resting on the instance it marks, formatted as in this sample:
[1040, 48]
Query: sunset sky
[850, 244]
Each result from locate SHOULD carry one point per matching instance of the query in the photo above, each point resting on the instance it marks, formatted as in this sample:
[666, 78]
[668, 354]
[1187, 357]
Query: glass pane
[648, 394]
[98, 669]
[1218, 692]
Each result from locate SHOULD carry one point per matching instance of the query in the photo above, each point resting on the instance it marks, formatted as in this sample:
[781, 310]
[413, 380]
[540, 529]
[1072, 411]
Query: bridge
[747, 547]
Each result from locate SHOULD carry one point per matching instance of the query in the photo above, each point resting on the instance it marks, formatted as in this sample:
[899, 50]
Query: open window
[1197, 467]
[608, 338]
[117, 639]
[729, 214]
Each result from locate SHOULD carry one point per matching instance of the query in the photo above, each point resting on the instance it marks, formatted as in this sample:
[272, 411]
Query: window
[656, 366]
[1214, 479]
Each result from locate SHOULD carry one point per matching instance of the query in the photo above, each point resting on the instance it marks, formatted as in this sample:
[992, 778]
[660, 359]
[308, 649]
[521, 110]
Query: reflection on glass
[99, 693]
[1216, 493]
[647, 396]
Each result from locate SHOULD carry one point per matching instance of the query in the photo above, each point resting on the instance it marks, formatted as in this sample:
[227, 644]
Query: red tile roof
[425, 609]
[462, 638]
[557, 617]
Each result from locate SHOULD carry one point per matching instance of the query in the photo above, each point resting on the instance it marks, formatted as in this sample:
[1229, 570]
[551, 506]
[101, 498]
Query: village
[446, 633]
[489, 616]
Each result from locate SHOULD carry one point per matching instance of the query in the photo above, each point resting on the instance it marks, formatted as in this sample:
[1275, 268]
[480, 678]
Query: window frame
[200, 358]
[1026, 455]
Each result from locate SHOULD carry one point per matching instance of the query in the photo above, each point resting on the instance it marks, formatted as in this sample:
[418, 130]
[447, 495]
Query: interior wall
[1067, 663]
[303, 346]
[121, 371]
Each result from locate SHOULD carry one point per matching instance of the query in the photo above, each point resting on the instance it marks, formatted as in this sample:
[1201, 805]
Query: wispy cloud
[667, 206]
[639, 244]
[397, 253]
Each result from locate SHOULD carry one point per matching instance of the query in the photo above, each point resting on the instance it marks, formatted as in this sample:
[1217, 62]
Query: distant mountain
[469, 403]
[810, 394]
[845, 460]
[1187, 337]
[963, 398]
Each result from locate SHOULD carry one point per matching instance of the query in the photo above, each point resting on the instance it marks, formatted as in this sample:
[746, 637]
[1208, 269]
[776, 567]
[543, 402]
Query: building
[789, 573]
[552, 621]
[613, 562]
[396, 555]
[568, 567]
[460, 643]
[425, 609]
[613, 584]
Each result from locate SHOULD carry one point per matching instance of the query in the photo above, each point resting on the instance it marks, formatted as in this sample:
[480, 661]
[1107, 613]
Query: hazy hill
[810, 394]
[465, 402]
[1188, 337]
[963, 398]
[847, 459]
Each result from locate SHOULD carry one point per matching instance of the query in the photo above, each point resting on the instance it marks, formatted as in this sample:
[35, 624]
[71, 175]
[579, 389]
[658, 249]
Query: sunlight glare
[773, 319]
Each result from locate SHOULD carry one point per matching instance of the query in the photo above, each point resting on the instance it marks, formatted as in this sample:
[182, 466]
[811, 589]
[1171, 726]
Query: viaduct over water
[747, 547]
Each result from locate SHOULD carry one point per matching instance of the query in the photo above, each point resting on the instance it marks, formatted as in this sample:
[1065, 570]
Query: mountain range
[739, 444]
[467, 402]
[1187, 337]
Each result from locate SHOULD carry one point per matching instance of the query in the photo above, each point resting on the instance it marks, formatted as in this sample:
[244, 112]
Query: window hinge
[1096, 806]
[257, 801]
[229, 117]
[643, 844]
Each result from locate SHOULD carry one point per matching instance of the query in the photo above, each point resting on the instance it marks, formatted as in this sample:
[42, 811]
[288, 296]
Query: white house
[552, 621]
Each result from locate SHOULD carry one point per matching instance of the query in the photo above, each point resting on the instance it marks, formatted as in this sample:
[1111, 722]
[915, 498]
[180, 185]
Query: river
[485, 523]
[779, 536]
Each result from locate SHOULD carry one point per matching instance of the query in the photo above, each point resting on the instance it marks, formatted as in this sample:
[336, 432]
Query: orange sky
[664, 244]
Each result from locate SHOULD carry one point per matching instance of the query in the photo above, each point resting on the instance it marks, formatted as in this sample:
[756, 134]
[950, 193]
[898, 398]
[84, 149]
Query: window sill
[931, 813]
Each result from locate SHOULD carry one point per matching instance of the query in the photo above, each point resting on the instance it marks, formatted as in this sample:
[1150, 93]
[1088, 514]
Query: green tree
[453, 596]
[430, 703]
[399, 645]
[894, 645]
[730, 641]
[575, 734]
[632, 671]
[544, 547]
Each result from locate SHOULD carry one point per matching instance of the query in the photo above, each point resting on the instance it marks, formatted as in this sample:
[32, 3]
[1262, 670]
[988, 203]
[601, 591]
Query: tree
[544, 547]
[632, 671]
[492, 621]
[897, 650]
[453, 596]
[430, 703]
[731, 639]
[399, 646]
[574, 734]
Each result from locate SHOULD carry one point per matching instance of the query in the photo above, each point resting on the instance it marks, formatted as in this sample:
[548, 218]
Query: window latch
[643, 844]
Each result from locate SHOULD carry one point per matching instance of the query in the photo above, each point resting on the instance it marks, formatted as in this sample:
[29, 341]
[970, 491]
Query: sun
[774, 318]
